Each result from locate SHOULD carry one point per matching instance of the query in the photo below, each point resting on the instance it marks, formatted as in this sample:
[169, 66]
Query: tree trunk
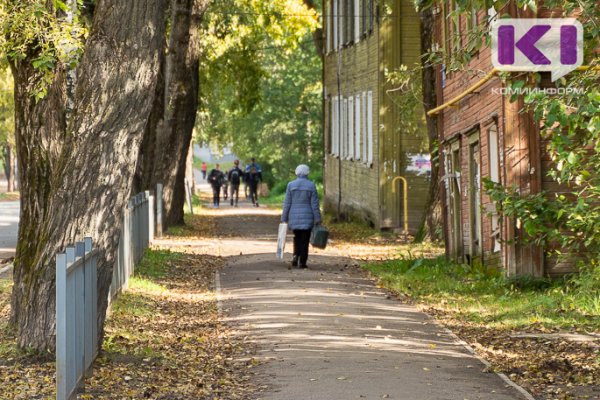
[167, 140]
[432, 219]
[76, 179]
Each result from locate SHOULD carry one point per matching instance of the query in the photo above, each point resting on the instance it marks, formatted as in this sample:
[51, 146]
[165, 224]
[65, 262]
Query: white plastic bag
[281, 236]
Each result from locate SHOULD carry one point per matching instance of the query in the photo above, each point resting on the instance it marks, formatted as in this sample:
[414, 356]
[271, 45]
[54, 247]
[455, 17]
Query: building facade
[369, 152]
[483, 134]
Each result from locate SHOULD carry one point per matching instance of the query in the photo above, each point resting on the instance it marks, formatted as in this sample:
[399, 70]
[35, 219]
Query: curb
[6, 269]
[502, 376]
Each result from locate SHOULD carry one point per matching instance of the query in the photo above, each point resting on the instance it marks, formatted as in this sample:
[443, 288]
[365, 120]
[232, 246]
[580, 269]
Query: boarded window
[329, 19]
[344, 152]
[350, 154]
[371, 14]
[356, 21]
[364, 126]
[370, 128]
[364, 22]
[334, 125]
[475, 195]
[334, 16]
[494, 161]
[350, 21]
[358, 126]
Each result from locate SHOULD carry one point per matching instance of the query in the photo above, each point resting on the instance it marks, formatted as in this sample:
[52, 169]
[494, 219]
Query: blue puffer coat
[301, 204]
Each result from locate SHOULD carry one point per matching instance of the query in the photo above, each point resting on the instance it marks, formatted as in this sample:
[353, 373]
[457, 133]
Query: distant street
[9, 228]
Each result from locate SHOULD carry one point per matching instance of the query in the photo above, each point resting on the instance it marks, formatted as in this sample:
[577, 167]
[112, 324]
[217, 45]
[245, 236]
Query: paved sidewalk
[328, 333]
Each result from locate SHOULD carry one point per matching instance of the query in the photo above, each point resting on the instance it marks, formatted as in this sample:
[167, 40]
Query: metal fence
[137, 230]
[76, 313]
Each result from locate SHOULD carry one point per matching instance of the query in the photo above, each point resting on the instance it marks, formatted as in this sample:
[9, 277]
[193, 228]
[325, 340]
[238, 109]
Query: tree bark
[76, 176]
[432, 219]
[167, 139]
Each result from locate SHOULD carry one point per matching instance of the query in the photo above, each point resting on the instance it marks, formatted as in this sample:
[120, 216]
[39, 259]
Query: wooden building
[482, 134]
[368, 153]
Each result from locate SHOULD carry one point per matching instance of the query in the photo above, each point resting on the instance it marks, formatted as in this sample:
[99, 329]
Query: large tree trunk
[167, 140]
[432, 220]
[76, 179]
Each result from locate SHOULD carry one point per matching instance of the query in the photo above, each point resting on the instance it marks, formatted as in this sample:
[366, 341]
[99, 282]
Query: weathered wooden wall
[366, 189]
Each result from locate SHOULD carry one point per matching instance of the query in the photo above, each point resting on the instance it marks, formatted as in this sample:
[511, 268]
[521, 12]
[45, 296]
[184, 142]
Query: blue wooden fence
[76, 313]
[77, 296]
[138, 229]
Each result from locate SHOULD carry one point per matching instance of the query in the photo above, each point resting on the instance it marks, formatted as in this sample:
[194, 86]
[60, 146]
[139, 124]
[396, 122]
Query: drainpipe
[405, 202]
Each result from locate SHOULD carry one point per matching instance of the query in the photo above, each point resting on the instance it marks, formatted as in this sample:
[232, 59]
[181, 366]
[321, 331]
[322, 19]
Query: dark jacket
[240, 173]
[253, 173]
[301, 204]
[216, 178]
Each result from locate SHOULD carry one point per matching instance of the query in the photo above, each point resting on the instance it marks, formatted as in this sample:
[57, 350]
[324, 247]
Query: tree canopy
[260, 83]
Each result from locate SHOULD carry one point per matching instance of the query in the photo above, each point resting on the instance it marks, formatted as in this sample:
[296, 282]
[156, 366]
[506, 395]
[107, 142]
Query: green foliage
[44, 33]
[483, 295]
[261, 90]
[407, 95]
[570, 124]
[7, 108]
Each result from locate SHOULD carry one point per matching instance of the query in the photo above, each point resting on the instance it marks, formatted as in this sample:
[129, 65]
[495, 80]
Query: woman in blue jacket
[301, 212]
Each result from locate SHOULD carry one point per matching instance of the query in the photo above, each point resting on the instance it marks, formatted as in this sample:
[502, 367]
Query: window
[371, 14]
[344, 150]
[364, 126]
[334, 126]
[351, 140]
[494, 162]
[357, 127]
[334, 16]
[329, 19]
[363, 17]
[370, 128]
[356, 21]
[350, 21]
[475, 195]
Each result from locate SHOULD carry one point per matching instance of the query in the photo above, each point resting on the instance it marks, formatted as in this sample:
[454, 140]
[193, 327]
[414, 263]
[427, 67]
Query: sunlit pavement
[9, 228]
[329, 333]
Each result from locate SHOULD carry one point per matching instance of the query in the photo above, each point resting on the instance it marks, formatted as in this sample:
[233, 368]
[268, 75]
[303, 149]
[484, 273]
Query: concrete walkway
[328, 333]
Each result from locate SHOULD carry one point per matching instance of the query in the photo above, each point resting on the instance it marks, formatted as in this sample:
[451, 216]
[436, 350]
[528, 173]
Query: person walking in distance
[216, 178]
[253, 177]
[203, 169]
[235, 178]
[301, 212]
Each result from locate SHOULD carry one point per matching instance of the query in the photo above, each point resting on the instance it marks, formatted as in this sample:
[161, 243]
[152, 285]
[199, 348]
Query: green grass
[155, 263]
[485, 296]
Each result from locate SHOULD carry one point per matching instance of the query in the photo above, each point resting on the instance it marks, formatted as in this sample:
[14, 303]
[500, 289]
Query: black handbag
[319, 237]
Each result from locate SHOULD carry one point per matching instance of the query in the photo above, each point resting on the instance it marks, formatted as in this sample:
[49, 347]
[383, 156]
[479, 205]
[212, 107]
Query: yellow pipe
[464, 94]
[405, 183]
[483, 80]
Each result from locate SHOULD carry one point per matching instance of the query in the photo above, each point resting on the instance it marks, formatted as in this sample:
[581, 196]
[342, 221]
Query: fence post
[159, 210]
[188, 196]
[61, 326]
[91, 298]
[150, 218]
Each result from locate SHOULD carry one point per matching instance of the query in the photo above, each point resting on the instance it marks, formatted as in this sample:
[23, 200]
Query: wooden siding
[358, 66]
[400, 44]
[364, 190]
